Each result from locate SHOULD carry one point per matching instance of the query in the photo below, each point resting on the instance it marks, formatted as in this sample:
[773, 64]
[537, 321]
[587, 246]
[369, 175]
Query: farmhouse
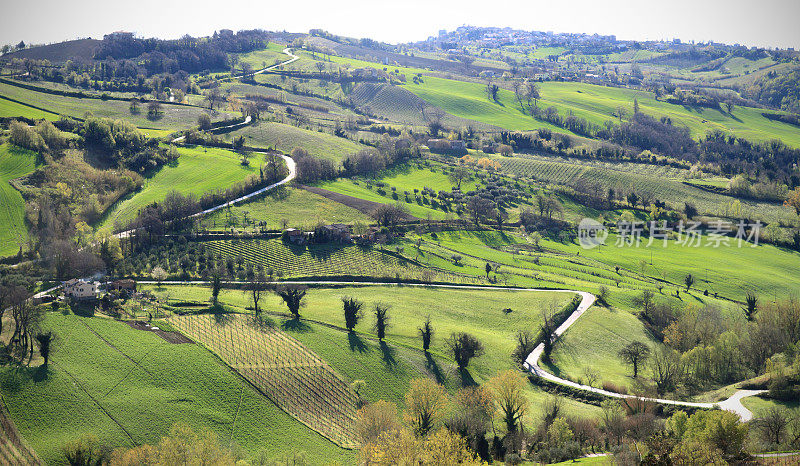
[80, 289]
[337, 232]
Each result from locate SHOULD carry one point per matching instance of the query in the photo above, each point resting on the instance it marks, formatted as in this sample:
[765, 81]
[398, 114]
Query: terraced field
[323, 260]
[292, 376]
[14, 163]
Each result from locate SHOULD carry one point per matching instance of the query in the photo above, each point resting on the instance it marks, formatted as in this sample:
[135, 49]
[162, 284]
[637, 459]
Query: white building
[80, 289]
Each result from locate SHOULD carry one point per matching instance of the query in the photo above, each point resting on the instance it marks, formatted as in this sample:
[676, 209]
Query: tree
[547, 329]
[292, 296]
[751, 306]
[458, 175]
[525, 346]
[688, 280]
[793, 200]
[488, 269]
[633, 199]
[508, 388]
[635, 105]
[256, 288]
[213, 96]
[729, 106]
[216, 286]
[666, 369]
[464, 347]
[389, 215]
[426, 333]
[159, 275]
[204, 122]
[374, 419]
[479, 209]
[635, 354]
[154, 109]
[381, 320]
[85, 451]
[690, 210]
[500, 217]
[45, 340]
[352, 312]
[183, 445]
[491, 91]
[426, 404]
[772, 425]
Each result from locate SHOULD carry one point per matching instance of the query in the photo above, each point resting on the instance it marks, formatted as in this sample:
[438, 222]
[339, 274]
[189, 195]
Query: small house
[80, 289]
[295, 236]
[336, 232]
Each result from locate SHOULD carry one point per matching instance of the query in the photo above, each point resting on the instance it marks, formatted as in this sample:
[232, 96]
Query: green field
[388, 368]
[174, 117]
[359, 189]
[259, 59]
[14, 163]
[110, 380]
[597, 104]
[286, 137]
[300, 208]
[662, 183]
[197, 171]
[9, 109]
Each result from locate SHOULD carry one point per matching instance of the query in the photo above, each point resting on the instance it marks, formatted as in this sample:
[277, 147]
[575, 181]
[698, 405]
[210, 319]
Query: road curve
[734, 403]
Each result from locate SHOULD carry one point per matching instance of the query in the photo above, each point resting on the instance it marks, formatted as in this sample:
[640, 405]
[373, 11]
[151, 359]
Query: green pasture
[14, 163]
[283, 137]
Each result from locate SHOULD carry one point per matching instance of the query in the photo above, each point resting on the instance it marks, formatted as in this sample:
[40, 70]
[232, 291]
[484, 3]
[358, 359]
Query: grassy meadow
[198, 170]
[285, 137]
[14, 163]
[128, 387]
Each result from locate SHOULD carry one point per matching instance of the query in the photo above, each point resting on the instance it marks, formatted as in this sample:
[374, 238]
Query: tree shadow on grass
[356, 343]
[466, 378]
[261, 322]
[388, 354]
[433, 368]
[222, 318]
[296, 325]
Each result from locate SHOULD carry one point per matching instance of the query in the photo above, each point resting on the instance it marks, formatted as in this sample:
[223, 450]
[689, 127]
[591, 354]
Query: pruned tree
[292, 296]
[666, 370]
[45, 340]
[352, 312]
[688, 280]
[381, 320]
[216, 286]
[751, 306]
[426, 333]
[464, 348]
[635, 354]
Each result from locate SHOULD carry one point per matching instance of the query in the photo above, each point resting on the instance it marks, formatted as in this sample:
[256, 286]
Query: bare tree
[464, 347]
[256, 289]
[635, 354]
[773, 425]
[666, 370]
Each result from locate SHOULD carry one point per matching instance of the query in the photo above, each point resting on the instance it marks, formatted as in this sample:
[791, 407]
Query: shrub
[612, 387]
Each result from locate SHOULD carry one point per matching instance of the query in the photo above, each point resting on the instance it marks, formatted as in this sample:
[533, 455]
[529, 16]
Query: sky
[765, 23]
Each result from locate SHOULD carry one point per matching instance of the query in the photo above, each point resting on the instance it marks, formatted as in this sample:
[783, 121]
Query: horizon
[713, 20]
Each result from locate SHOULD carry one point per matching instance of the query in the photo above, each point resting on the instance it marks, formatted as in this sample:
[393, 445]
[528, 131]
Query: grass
[660, 183]
[322, 260]
[147, 385]
[14, 163]
[174, 117]
[594, 341]
[759, 406]
[295, 378]
[729, 271]
[298, 207]
[286, 137]
[9, 109]
[359, 189]
[259, 59]
[597, 104]
[388, 368]
[197, 171]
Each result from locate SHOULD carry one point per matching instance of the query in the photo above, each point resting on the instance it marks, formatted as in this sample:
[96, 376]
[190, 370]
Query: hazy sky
[770, 23]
